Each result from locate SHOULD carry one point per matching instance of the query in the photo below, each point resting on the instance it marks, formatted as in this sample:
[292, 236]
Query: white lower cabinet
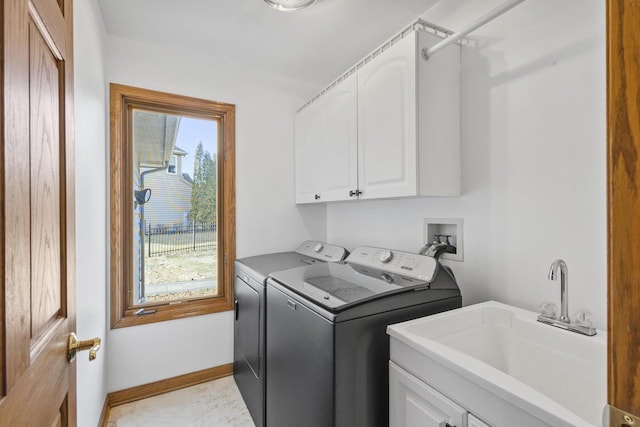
[413, 403]
[472, 421]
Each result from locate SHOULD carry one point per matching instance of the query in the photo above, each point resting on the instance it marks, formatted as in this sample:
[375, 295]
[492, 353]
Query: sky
[192, 131]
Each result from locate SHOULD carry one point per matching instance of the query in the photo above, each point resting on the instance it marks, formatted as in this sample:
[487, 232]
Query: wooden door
[623, 182]
[387, 148]
[37, 208]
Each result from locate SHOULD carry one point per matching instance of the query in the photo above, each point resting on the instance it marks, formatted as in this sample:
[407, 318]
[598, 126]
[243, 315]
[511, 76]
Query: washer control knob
[318, 247]
[386, 256]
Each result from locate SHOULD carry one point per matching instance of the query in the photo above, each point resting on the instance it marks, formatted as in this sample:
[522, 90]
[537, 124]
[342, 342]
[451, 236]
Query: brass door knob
[75, 345]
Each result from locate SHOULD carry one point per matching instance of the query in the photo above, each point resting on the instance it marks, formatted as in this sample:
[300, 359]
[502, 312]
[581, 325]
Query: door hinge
[614, 417]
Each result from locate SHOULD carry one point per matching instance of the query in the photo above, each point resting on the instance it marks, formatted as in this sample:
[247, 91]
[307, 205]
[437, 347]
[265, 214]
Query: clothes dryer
[249, 325]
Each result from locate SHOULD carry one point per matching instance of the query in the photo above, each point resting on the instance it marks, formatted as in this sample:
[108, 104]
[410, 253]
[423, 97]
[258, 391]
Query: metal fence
[162, 239]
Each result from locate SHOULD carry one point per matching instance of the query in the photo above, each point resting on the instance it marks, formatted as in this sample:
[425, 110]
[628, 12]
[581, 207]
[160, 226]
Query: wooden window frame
[122, 100]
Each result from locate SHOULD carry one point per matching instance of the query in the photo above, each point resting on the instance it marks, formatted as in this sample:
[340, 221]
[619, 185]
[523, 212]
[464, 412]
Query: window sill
[173, 311]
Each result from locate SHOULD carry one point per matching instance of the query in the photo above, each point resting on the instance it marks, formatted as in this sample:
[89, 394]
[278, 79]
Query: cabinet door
[387, 123]
[413, 403]
[475, 422]
[339, 141]
[308, 156]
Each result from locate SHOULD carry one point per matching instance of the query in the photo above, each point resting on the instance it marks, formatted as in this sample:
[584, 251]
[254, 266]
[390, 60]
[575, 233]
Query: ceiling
[312, 45]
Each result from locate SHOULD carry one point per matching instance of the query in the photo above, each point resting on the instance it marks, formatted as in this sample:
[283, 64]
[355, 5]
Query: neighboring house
[170, 202]
[157, 166]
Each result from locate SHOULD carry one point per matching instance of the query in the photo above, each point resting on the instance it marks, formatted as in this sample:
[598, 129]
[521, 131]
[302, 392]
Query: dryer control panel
[395, 262]
[322, 251]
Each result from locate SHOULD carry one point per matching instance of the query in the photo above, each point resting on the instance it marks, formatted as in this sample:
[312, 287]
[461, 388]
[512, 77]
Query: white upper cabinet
[387, 123]
[308, 154]
[390, 129]
[340, 141]
[327, 146]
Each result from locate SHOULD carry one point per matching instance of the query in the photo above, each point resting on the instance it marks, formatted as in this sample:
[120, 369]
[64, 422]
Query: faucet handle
[583, 318]
[549, 309]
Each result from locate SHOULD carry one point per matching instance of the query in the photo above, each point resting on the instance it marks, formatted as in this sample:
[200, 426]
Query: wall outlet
[446, 226]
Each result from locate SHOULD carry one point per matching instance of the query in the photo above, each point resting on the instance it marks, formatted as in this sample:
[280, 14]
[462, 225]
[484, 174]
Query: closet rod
[489, 16]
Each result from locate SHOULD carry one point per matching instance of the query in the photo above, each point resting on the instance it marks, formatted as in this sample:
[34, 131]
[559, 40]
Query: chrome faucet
[564, 287]
[563, 321]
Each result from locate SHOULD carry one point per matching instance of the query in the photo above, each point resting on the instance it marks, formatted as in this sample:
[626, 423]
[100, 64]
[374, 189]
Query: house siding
[170, 201]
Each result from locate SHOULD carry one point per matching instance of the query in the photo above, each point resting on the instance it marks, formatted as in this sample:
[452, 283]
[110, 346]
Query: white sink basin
[555, 376]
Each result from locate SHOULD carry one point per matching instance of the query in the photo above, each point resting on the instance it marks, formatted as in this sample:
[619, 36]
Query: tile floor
[212, 404]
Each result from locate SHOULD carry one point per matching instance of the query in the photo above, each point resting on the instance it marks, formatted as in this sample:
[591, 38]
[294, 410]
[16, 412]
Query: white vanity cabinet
[390, 129]
[413, 403]
[472, 421]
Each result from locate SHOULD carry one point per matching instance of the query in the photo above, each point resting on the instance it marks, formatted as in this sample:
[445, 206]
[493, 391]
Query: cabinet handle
[354, 193]
[317, 196]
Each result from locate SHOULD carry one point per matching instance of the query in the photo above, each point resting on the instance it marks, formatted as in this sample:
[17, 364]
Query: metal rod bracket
[487, 17]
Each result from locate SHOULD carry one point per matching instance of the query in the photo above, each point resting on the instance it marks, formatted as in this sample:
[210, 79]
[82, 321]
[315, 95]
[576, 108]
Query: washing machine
[327, 347]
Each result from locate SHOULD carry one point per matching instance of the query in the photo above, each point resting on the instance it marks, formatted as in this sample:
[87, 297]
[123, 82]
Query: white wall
[533, 159]
[266, 215]
[91, 207]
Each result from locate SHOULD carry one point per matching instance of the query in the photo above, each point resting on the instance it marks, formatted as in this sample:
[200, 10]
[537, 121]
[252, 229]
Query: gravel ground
[181, 267]
[200, 293]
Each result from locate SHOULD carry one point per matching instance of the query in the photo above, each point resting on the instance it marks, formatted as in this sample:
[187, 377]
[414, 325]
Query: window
[172, 165]
[172, 206]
